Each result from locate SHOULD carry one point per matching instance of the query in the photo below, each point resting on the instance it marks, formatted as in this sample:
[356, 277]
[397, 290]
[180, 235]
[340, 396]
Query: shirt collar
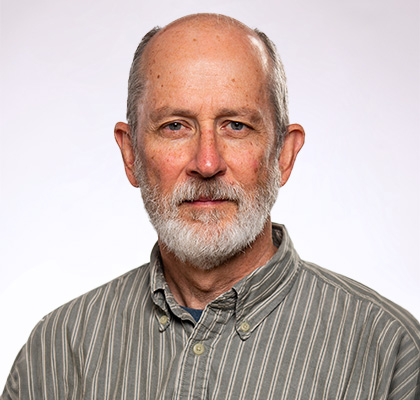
[259, 293]
[161, 294]
[254, 297]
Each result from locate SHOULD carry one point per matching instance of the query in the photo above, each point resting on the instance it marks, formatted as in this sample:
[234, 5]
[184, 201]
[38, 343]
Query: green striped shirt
[290, 330]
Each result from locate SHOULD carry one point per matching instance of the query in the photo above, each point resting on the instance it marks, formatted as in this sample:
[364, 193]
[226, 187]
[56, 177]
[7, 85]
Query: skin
[205, 114]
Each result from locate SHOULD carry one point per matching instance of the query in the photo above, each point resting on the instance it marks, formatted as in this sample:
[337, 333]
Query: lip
[202, 202]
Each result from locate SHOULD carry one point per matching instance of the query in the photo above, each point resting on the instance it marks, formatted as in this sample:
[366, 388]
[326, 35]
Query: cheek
[164, 166]
[247, 165]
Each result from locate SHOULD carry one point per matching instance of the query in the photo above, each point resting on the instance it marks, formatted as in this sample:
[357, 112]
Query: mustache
[214, 189]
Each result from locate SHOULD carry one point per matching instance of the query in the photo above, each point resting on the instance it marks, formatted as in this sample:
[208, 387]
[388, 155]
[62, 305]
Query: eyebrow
[253, 114]
[161, 112]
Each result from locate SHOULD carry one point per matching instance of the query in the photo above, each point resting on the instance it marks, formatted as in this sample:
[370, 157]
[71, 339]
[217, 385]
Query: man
[225, 309]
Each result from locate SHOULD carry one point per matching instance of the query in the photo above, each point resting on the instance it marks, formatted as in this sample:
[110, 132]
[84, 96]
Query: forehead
[206, 35]
[207, 57]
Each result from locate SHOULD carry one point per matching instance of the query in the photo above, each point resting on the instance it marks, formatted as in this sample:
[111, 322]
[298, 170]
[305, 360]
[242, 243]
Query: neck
[195, 288]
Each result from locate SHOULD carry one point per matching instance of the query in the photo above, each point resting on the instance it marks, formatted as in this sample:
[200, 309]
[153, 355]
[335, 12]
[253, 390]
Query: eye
[175, 129]
[174, 126]
[236, 126]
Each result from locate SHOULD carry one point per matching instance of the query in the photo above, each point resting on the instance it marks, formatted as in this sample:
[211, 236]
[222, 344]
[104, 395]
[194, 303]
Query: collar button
[244, 327]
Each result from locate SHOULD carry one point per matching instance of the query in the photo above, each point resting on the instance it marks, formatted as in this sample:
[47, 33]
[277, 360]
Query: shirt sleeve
[405, 381]
[17, 383]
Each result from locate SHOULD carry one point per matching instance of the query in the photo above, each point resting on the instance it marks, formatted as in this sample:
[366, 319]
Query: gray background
[70, 221]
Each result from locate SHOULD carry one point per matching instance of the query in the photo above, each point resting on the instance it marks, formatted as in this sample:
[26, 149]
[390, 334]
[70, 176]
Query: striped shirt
[289, 330]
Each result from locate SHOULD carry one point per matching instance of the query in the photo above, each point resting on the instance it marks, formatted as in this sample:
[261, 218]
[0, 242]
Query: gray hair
[136, 84]
[276, 86]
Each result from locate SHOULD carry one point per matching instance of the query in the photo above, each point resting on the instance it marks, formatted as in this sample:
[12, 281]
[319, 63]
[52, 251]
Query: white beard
[211, 237]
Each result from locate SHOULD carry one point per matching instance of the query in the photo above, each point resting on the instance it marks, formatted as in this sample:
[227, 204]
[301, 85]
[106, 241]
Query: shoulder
[93, 307]
[376, 307]
[72, 336]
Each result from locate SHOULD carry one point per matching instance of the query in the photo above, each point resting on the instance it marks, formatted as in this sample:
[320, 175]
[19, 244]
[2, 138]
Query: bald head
[207, 34]
[208, 21]
[203, 39]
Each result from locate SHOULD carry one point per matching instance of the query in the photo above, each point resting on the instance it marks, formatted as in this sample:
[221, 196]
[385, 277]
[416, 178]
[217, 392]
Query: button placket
[198, 353]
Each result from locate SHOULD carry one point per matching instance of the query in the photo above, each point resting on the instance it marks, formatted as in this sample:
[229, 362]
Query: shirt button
[198, 349]
[163, 319]
[244, 327]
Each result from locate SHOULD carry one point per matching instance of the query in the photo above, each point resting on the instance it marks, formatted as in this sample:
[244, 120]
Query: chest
[289, 354]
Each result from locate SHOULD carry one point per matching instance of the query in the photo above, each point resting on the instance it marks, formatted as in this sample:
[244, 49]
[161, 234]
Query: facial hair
[211, 237]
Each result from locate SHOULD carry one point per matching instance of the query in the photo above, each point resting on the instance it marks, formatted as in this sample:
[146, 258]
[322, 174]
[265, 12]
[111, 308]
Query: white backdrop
[69, 219]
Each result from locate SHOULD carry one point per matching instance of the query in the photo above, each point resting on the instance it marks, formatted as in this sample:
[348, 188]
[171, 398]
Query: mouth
[206, 201]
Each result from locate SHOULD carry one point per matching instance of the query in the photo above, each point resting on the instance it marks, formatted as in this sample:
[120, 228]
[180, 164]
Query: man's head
[276, 79]
[204, 141]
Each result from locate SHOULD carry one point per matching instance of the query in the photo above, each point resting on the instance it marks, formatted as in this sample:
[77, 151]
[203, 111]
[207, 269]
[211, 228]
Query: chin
[210, 242]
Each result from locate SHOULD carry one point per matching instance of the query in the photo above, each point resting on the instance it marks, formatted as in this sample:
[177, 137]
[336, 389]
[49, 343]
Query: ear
[123, 138]
[293, 142]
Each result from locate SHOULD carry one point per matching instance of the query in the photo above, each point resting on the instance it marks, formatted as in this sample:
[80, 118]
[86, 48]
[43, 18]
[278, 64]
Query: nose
[207, 161]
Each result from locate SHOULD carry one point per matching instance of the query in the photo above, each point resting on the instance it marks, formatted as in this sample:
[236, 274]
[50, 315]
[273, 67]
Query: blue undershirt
[196, 314]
